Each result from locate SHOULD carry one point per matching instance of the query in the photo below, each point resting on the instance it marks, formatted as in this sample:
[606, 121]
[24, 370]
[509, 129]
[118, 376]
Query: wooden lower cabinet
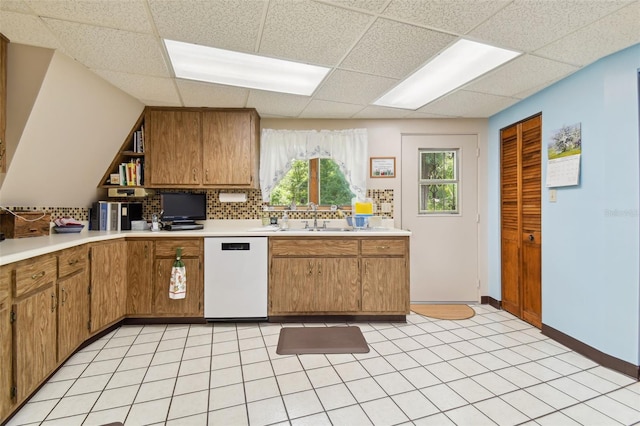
[34, 323]
[349, 275]
[149, 270]
[5, 342]
[139, 277]
[108, 283]
[314, 285]
[73, 300]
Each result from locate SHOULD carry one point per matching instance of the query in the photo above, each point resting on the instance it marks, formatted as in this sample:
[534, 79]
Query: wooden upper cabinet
[202, 148]
[173, 148]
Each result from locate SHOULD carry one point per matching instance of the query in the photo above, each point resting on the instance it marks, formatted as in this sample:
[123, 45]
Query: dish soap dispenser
[284, 224]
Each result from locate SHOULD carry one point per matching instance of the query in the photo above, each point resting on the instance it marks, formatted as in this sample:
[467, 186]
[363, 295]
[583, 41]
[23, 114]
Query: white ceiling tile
[368, 5]
[130, 15]
[377, 112]
[418, 114]
[327, 109]
[528, 25]
[393, 49]
[278, 104]
[513, 78]
[463, 103]
[224, 24]
[534, 89]
[353, 87]
[612, 33]
[27, 29]
[152, 89]
[110, 49]
[310, 32]
[211, 95]
[457, 16]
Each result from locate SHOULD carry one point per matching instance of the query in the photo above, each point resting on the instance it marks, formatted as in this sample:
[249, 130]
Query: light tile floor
[490, 369]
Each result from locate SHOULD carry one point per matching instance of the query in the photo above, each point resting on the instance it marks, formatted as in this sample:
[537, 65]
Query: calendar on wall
[564, 149]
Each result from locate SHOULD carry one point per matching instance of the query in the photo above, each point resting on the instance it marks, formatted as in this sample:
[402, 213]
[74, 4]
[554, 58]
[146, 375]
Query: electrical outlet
[386, 207]
[553, 195]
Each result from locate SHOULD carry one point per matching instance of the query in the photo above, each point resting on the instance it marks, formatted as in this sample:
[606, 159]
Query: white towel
[178, 281]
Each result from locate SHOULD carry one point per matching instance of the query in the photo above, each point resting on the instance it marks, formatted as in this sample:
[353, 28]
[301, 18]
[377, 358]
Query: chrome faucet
[314, 208]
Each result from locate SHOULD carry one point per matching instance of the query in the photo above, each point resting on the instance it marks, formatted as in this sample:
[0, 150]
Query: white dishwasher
[235, 278]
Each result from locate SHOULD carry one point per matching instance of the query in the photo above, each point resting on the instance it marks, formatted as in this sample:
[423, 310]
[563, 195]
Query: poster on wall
[564, 149]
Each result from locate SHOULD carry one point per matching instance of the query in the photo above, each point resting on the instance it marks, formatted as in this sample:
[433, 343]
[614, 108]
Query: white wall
[65, 142]
[590, 236]
[385, 140]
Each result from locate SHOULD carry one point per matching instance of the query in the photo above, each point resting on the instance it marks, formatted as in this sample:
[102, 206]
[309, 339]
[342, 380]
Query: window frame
[457, 181]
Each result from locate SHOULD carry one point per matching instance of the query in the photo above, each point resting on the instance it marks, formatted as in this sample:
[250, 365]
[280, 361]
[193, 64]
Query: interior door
[444, 246]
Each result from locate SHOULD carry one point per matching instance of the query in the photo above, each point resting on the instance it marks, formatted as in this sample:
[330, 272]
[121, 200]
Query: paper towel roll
[233, 197]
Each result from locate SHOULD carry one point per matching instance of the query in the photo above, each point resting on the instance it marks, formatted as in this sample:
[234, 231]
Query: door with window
[440, 208]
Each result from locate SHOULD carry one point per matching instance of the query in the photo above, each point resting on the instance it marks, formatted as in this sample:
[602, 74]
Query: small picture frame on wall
[383, 167]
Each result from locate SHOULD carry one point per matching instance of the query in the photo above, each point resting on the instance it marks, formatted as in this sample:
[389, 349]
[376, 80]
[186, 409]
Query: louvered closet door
[510, 221]
[531, 221]
[521, 186]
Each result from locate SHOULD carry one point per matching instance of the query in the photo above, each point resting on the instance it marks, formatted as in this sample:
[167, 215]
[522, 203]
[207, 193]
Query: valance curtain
[278, 149]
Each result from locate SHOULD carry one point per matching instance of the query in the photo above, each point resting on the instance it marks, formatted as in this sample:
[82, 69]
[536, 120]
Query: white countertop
[13, 250]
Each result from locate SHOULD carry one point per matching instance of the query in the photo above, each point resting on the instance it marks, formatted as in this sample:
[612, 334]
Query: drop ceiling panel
[277, 104]
[457, 16]
[109, 49]
[353, 87]
[130, 15]
[159, 90]
[27, 29]
[614, 32]
[230, 25]
[514, 77]
[310, 32]
[211, 95]
[378, 112]
[528, 25]
[327, 109]
[468, 104]
[15, 6]
[393, 49]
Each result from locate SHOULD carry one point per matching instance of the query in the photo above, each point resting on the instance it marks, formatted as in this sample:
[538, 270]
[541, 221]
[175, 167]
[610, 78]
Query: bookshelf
[128, 164]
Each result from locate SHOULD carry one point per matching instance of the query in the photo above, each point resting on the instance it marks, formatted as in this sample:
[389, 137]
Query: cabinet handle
[310, 268]
[206, 175]
[38, 275]
[159, 272]
[64, 296]
[53, 302]
[146, 251]
[194, 175]
[72, 262]
[319, 269]
[366, 267]
[383, 247]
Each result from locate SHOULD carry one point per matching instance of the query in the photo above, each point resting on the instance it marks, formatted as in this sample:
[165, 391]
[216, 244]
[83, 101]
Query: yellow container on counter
[363, 207]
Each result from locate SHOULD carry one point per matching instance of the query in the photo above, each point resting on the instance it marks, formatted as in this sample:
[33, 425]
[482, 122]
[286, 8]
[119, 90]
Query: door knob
[531, 238]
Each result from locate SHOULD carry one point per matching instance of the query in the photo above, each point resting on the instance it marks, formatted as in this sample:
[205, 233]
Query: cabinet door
[173, 148]
[139, 277]
[384, 285]
[73, 313]
[227, 147]
[291, 285]
[34, 339]
[192, 304]
[108, 283]
[337, 287]
[5, 341]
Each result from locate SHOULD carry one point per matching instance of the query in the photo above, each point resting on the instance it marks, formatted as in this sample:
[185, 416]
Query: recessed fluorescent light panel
[456, 66]
[220, 66]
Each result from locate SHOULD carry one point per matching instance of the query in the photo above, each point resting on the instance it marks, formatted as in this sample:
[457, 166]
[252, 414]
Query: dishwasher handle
[236, 246]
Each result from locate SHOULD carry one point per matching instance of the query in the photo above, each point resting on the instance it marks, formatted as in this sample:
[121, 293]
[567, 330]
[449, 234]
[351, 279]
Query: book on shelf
[131, 173]
[138, 140]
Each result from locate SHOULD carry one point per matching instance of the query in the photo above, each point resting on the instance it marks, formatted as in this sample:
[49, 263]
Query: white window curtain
[278, 149]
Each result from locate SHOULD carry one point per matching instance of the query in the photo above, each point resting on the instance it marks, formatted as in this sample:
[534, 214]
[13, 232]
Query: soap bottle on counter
[284, 223]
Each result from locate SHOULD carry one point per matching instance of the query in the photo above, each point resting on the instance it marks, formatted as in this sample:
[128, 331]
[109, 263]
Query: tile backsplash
[251, 209]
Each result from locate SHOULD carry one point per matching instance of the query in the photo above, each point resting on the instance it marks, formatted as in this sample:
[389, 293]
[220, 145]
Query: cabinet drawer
[72, 260]
[314, 247]
[35, 273]
[190, 248]
[382, 247]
